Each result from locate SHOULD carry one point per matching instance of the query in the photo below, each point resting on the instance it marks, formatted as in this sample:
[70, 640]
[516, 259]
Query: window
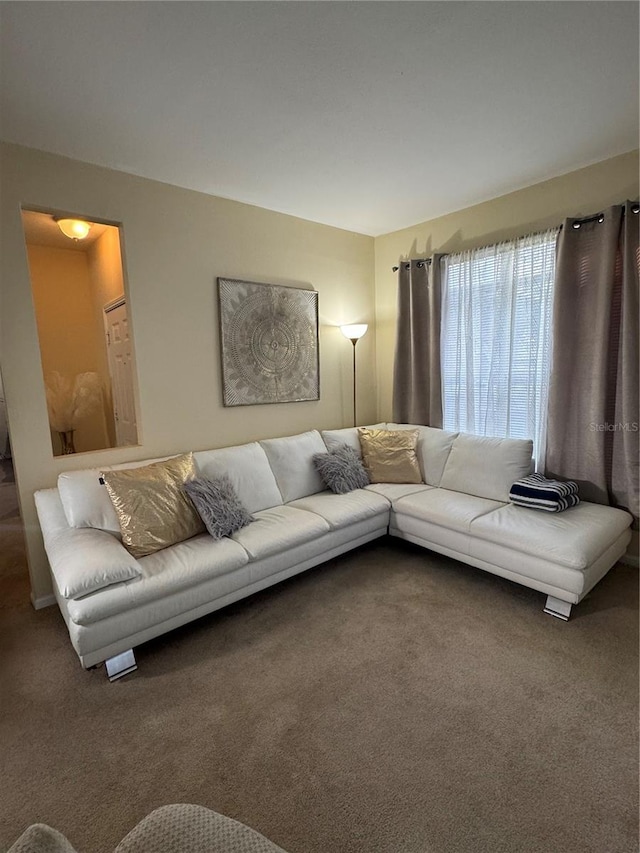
[496, 339]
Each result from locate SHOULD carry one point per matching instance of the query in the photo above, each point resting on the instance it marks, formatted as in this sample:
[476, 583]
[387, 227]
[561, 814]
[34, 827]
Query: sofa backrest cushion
[291, 461]
[85, 499]
[248, 468]
[334, 438]
[434, 447]
[486, 467]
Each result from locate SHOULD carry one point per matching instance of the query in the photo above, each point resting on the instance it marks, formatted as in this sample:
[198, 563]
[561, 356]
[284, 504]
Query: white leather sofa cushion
[187, 564]
[320, 549]
[84, 561]
[574, 538]
[334, 438]
[81, 560]
[278, 529]
[434, 447]
[433, 536]
[146, 621]
[143, 622]
[50, 514]
[542, 574]
[248, 469]
[291, 460]
[449, 509]
[86, 501]
[393, 491]
[343, 510]
[486, 467]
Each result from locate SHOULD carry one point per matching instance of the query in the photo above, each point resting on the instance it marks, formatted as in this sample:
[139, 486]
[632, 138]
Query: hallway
[14, 576]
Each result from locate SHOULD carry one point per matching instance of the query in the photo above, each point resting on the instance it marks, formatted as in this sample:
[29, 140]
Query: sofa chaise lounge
[112, 603]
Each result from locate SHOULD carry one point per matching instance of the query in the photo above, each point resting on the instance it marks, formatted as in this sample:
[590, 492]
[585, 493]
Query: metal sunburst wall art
[269, 336]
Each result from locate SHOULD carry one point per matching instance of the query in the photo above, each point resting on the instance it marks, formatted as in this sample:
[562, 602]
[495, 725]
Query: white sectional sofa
[111, 603]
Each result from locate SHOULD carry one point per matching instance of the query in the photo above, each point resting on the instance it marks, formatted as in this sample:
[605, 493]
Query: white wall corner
[43, 601]
[630, 560]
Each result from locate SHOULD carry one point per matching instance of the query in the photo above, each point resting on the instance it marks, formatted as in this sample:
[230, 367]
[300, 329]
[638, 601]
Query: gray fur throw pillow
[218, 505]
[342, 470]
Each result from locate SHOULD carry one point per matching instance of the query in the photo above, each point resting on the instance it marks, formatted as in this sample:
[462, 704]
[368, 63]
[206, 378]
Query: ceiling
[369, 116]
[41, 229]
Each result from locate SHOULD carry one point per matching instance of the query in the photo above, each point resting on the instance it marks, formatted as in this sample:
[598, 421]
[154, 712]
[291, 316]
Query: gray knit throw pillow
[218, 505]
[342, 470]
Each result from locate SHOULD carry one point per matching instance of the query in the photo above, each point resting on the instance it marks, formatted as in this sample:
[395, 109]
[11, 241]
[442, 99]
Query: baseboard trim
[43, 601]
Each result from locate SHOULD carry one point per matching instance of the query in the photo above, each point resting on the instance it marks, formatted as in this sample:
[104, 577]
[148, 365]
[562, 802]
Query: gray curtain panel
[592, 434]
[417, 393]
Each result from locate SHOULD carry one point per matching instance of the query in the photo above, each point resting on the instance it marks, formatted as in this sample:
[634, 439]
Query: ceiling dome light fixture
[75, 229]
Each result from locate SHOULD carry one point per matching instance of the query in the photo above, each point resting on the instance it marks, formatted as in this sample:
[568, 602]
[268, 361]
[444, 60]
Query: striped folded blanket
[536, 492]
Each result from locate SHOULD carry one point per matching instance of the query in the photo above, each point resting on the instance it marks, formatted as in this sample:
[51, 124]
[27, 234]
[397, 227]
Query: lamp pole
[354, 341]
[354, 332]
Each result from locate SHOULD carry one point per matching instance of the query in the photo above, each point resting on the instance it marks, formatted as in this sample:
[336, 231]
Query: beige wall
[532, 209]
[175, 243]
[105, 264]
[105, 269]
[67, 330]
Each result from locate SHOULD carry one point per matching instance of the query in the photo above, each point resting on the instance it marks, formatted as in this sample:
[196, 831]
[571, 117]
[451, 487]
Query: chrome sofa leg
[557, 607]
[121, 664]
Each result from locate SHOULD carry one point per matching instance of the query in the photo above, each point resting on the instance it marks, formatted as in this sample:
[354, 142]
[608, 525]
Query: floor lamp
[354, 332]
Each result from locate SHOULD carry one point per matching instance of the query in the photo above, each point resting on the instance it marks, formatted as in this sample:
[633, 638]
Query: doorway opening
[86, 347]
[13, 556]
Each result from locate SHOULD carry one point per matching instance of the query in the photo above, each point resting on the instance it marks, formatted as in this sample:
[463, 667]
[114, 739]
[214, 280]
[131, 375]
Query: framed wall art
[269, 340]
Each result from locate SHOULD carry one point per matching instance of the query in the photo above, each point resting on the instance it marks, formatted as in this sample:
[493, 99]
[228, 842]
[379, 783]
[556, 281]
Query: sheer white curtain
[496, 339]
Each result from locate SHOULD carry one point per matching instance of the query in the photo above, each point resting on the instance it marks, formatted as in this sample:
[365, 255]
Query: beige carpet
[391, 700]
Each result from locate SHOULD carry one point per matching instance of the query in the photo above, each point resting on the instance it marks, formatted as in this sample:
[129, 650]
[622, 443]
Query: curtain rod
[420, 262]
[598, 217]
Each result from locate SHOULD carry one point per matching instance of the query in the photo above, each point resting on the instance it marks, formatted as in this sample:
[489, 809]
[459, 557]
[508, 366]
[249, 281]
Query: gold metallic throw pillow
[152, 507]
[389, 455]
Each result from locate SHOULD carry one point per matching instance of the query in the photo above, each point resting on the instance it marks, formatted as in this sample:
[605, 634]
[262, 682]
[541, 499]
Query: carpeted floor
[391, 701]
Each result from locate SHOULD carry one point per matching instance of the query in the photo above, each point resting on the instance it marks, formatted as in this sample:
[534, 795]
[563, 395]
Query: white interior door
[121, 369]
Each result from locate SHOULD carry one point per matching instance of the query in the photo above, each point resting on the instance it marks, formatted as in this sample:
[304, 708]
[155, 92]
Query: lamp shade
[355, 331]
[76, 229]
